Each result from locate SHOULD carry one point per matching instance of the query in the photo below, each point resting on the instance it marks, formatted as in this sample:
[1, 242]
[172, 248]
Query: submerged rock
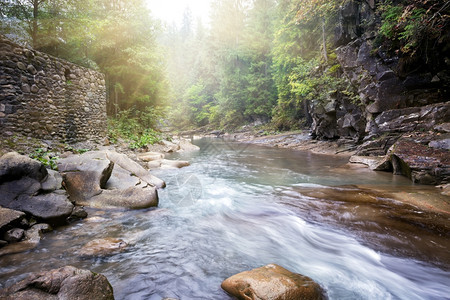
[64, 283]
[103, 247]
[272, 282]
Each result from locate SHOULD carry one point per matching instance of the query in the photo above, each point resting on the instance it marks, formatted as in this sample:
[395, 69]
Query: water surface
[239, 207]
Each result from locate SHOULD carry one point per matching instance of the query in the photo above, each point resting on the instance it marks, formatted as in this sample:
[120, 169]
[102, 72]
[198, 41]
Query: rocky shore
[34, 199]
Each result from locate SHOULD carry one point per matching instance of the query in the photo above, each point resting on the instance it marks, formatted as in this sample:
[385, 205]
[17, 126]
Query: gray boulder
[132, 197]
[9, 218]
[64, 283]
[14, 166]
[85, 175]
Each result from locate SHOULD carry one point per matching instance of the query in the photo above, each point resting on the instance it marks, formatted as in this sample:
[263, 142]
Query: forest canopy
[256, 61]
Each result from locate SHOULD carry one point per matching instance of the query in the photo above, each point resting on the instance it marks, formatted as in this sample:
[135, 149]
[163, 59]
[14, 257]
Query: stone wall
[49, 98]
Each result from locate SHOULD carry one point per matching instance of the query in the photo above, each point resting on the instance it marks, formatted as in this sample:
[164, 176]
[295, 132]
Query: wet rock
[186, 146]
[413, 118]
[134, 168]
[14, 235]
[167, 164]
[443, 144]
[173, 164]
[78, 213]
[444, 128]
[52, 182]
[420, 163]
[34, 234]
[9, 218]
[122, 179]
[31, 240]
[14, 166]
[375, 163]
[64, 283]
[85, 175]
[272, 282]
[150, 156]
[52, 208]
[103, 247]
[132, 197]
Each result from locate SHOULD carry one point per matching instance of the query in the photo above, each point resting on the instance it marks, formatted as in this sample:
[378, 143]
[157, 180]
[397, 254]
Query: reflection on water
[239, 207]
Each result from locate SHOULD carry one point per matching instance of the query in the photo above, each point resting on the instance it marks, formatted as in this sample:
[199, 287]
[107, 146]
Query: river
[240, 206]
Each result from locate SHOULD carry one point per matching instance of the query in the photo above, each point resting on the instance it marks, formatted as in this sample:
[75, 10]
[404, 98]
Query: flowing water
[238, 207]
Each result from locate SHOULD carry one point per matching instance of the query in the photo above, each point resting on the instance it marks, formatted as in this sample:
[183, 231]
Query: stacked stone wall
[49, 98]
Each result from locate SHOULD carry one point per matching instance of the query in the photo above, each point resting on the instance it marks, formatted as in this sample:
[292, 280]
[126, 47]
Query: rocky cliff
[401, 95]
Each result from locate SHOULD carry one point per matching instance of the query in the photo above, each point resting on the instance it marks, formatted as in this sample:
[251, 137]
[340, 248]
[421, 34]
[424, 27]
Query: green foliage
[47, 159]
[406, 26]
[135, 127]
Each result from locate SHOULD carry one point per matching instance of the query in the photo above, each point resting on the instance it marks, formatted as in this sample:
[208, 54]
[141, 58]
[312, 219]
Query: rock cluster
[49, 98]
[392, 104]
[64, 283]
[29, 193]
[108, 179]
[272, 282]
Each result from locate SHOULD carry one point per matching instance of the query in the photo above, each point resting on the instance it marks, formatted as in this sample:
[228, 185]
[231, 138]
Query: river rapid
[240, 206]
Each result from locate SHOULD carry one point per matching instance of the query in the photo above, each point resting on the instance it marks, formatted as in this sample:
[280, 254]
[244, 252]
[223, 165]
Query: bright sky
[172, 10]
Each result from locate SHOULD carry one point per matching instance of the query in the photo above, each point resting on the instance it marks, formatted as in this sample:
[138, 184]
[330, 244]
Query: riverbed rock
[420, 163]
[14, 166]
[132, 198]
[24, 195]
[272, 282]
[103, 247]
[9, 218]
[375, 163]
[174, 164]
[167, 164]
[413, 118]
[64, 283]
[134, 168]
[85, 175]
[52, 182]
[150, 156]
[14, 235]
[32, 237]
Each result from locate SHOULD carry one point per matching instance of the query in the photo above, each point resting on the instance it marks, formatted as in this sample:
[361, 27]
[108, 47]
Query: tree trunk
[324, 41]
[34, 29]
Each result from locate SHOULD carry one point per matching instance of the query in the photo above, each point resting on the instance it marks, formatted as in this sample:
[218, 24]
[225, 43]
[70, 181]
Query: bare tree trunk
[34, 29]
[324, 41]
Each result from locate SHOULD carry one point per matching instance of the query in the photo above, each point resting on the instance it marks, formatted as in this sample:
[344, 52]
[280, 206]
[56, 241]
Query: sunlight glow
[171, 11]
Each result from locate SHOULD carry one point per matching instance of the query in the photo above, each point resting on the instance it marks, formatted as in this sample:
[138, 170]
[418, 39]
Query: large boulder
[27, 186]
[14, 166]
[132, 197]
[272, 282]
[85, 175]
[64, 283]
[108, 179]
[422, 164]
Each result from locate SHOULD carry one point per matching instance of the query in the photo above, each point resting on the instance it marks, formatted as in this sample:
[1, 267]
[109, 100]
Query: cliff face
[401, 95]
